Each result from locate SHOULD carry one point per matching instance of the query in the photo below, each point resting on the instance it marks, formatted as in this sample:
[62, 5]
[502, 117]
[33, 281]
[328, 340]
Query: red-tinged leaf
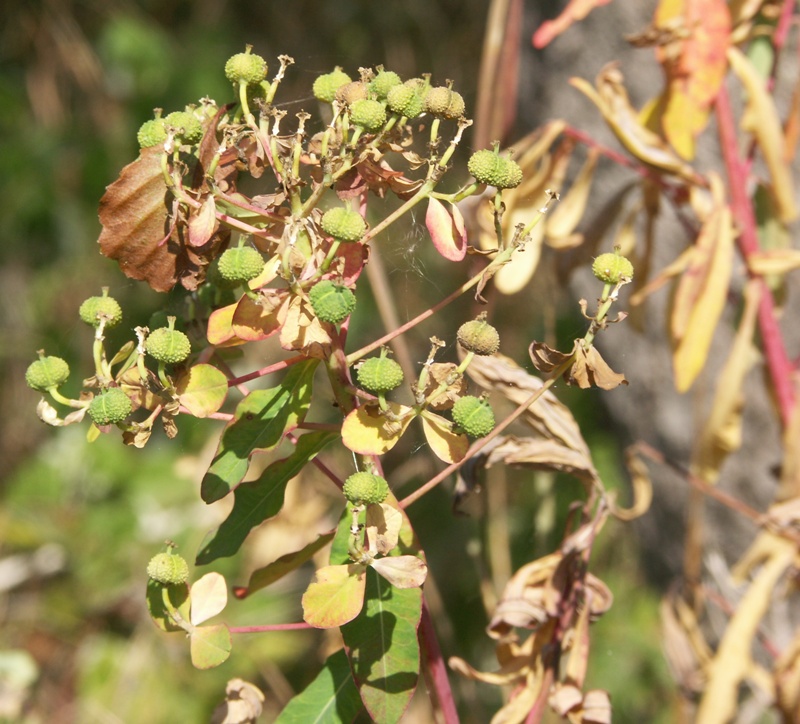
[368, 432]
[210, 646]
[260, 422]
[276, 570]
[209, 596]
[178, 596]
[575, 11]
[220, 327]
[260, 499]
[202, 389]
[202, 223]
[255, 320]
[445, 444]
[332, 698]
[447, 233]
[695, 64]
[336, 595]
[402, 571]
[138, 229]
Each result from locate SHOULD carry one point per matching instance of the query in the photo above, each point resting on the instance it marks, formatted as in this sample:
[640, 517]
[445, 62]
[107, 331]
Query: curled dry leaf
[301, 330]
[642, 489]
[590, 370]
[545, 358]
[382, 528]
[243, 704]
[612, 101]
[401, 571]
[438, 373]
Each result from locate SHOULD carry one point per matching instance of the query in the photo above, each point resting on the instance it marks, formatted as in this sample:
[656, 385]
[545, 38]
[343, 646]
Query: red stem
[438, 682]
[778, 363]
[271, 627]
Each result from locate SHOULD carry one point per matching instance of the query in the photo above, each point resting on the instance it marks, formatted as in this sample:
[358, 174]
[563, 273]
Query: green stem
[173, 612]
[58, 397]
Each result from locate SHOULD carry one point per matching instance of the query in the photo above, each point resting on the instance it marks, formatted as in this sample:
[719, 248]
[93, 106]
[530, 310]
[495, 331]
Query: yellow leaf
[612, 101]
[774, 261]
[444, 443]
[732, 661]
[701, 294]
[368, 432]
[722, 431]
[335, 596]
[762, 120]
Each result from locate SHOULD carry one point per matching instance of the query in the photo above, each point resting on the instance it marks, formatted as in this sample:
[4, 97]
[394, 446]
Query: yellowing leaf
[774, 261]
[733, 659]
[202, 389]
[210, 646]
[300, 329]
[444, 443]
[209, 596]
[701, 295]
[335, 596]
[762, 120]
[612, 101]
[254, 320]
[695, 65]
[220, 327]
[202, 222]
[722, 431]
[368, 432]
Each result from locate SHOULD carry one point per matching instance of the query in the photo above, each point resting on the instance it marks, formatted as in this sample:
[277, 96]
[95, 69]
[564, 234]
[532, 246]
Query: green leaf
[335, 596]
[382, 641]
[260, 422]
[179, 598]
[383, 647]
[276, 570]
[332, 698]
[202, 390]
[210, 646]
[260, 499]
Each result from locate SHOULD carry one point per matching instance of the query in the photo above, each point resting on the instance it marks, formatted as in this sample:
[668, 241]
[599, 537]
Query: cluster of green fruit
[166, 345]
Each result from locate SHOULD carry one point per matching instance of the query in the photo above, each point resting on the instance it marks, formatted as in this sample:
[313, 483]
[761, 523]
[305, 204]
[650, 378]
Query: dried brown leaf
[301, 330]
[590, 370]
[545, 358]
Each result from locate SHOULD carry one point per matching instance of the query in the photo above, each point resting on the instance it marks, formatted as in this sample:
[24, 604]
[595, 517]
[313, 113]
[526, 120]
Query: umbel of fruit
[380, 374]
[332, 302]
[240, 264]
[168, 568]
[46, 373]
[343, 224]
[167, 344]
[104, 308]
[489, 167]
[612, 267]
[247, 68]
[473, 415]
[478, 336]
[365, 488]
[110, 407]
[325, 86]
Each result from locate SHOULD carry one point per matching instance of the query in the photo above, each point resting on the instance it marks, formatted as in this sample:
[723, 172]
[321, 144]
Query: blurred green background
[78, 522]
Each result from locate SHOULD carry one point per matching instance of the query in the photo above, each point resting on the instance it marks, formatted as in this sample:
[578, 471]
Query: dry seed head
[479, 336]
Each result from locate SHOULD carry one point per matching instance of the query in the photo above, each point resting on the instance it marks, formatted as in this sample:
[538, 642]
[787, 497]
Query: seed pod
[474, 416]
[168, 345]
[365, 488]
[383, 82]
[325, 86]
[612, 267]
[246, 67]
[489, 167]
[110, 407]
[240, 264]
[168, 569]
[380, 374]
[368, 114]
[96, 309]
[332, 302]
[478, 336]
[344, 224]
[46, 373]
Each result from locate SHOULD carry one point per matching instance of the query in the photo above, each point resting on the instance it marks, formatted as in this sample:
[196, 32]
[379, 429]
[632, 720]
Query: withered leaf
[591, 370]
[545, 358]
[440, 372]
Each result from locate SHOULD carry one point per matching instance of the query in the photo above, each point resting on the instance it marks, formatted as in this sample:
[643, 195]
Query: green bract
[110, 407]
[365, 488]
[96, 309]
[344, 224]
[332, 302]
[473, 415]
[246, 67]
[168, 568]
[46, 373]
